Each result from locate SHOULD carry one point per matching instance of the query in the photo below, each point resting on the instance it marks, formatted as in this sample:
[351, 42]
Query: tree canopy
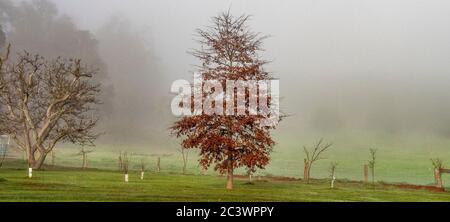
[44, 102]
[229, 51]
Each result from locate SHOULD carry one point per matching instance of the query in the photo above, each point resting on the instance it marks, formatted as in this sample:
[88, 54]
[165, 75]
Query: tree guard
[366, 173]
[438, 176]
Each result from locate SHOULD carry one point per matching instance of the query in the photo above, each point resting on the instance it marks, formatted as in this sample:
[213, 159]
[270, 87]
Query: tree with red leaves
[229, 52]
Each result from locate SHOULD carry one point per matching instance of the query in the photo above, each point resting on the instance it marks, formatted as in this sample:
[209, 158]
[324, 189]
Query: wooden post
[437, 177]
[366, 173]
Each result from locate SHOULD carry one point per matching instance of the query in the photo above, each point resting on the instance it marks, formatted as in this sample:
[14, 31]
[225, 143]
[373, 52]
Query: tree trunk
[230, 179]
[31, 159]
[158, 164]
[37, 164]
[84, 161]
[333, 178]
[373, 173]
[366, 173]
[120, 163]
[306, 170]
[34, 163]
[230, 176]
[309, 172]
[185, 159]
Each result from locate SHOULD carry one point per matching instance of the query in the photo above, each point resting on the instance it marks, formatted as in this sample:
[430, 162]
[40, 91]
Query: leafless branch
[45, 102]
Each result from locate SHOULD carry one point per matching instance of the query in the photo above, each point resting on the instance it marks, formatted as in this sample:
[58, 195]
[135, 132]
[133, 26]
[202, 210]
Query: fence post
[366, 173]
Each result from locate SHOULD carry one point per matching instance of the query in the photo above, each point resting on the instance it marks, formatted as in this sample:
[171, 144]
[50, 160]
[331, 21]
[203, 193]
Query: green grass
[400, 158]
[97, 185]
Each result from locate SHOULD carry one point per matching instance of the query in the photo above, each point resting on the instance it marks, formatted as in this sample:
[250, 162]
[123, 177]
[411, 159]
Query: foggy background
[375, 66]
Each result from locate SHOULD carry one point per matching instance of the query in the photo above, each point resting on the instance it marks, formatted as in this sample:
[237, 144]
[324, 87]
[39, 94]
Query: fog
[360, 65]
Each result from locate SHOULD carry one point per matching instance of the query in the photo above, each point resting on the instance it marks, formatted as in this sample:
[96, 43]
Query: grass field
[400, 158]
[97, 185]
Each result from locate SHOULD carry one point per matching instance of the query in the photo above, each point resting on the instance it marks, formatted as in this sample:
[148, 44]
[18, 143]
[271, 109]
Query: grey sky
[351, 56]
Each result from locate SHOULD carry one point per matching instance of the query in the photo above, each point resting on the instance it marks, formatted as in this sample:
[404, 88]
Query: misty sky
[340, 63]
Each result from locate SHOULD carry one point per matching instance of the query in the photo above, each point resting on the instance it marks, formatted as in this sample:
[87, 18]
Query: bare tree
[125, 164]
[120, 161]
[437, 163]
[313, 155]
[158, 160]
[366, 173]
[438, 166]
[142, 168]
[43, 103]
[372, 162]
[84, 154]
[333, 166]
[158, 164]
[38, 26]
[184, 154]
[250, 172]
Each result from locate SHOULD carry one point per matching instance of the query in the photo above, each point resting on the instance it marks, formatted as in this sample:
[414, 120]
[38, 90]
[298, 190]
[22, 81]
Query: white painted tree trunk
[30, 172]
[142, 175]
[332, 182]
[126, 177]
